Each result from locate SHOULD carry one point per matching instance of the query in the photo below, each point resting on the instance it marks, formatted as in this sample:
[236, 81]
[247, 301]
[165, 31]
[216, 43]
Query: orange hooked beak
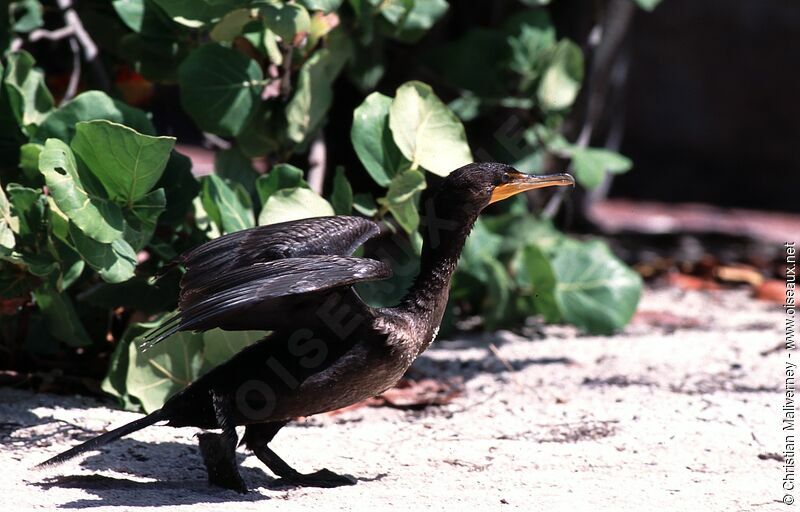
[521, 182]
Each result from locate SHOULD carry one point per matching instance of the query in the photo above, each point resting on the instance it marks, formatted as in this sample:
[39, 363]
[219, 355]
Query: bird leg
[257, 436]
[219, 450]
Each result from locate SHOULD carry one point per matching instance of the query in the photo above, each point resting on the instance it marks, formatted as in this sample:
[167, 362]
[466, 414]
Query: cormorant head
[480, 184]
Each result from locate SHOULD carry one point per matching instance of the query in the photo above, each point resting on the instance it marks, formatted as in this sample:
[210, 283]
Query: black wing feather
[306, 237]
[234, 279]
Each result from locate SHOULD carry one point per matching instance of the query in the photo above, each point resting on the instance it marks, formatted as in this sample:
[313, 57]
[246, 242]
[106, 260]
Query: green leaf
[26, 15]
[231, 25]
[62, 320]
[543, 283]
[220, 88]
[286, 20]
[163, 370]
[591, 164]
[127, 163]
[28, 207]
[372, 139]
[482, 244]
[158, 44]
[364, 204]
[141, 219]
[28, 95]
[180, 188]
[404, 186]
[271, 48]
[93, 215]
[406, 214]
[498, 297]
[70, 263]
[342, 195]
[594, 289]
[647, 5]
[222, 345]
[29, 160]
[563, 77]
[279, 177]
[8, 224]
[258, 137]
[325, 6]
[312, 98]
[114, 382]
[195, 13]
[115, 262]
[531, 37]
[293, 204]
[235, 167]
[524, 230]
[90, 106]
[427, 133]
[228, 208]
[401, 198]
[479, 49]
[410, 19]
[131, 12]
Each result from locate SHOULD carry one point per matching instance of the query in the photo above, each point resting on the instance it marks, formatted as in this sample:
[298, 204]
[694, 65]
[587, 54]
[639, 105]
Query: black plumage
[327, 349]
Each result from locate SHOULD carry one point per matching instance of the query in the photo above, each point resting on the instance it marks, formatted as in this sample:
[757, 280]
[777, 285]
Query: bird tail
[106, 438]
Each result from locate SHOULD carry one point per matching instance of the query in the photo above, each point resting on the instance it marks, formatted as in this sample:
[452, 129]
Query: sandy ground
[679, 412]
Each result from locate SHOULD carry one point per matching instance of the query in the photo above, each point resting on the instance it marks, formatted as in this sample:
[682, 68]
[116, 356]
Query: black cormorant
[327, 349]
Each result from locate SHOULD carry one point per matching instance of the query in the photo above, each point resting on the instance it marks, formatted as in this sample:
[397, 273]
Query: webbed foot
[322, 478]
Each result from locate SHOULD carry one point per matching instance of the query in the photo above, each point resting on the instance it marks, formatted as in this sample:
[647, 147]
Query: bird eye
[504, 178]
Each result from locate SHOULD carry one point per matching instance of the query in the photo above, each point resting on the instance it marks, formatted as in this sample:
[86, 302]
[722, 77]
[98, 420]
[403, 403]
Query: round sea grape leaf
[313, 96]
[220, 88]
[222, 345]
[131, 12]
[127, 163]
[279, 177]
[115, 261]
[408, 20]
[8, 224]
[325, 6]
[342, 194]
[562, 79]
[231, 25]
[141, 218]
[229, 209]
[28, 95]
[61, 318]
[591, 164]
[196, 13]
[404, 186]
[95, 216]
[180, 188]
[593, 288]
[286, 20]
[293, 204]
[542, 279]
[428, 134]
[372, 139]
[163, 370]
[90, 106]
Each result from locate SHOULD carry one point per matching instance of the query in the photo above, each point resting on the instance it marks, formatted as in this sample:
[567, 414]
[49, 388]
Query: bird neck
[444, 236]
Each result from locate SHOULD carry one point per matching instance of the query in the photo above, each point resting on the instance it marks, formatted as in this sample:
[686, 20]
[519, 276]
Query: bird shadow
[176, 472]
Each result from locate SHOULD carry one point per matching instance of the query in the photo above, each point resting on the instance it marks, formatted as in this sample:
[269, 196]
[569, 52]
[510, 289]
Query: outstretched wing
[249, 279]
